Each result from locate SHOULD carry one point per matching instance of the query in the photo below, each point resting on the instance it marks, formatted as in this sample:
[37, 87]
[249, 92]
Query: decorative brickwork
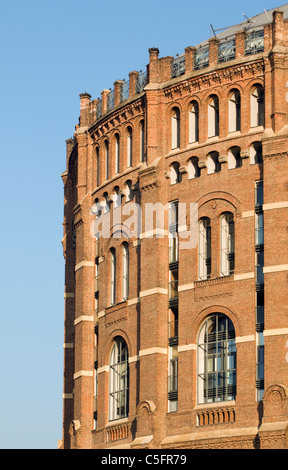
[175, 236]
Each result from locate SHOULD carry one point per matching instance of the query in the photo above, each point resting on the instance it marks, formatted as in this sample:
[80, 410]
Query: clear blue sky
[50, 52]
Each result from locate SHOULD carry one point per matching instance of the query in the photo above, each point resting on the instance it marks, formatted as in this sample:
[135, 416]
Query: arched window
[227, 244]
[194, 122]
[256, 153]
[213, 164]
[257, 106]
[129, 147]
[118, 380]
[106, 160]
[204, 246]
[113, 276]
[235, 111]
[216, 360]
[175, 174]
[175, 128]
[234, 158]
[193, 168]
[129, 191]
[125, 271]
[116, 197]
[213, 116]
[142, 141]
[97, 167]
[117, 153]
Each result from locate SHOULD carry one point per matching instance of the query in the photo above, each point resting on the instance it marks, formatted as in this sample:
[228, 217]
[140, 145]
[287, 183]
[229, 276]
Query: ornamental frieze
[217, 78]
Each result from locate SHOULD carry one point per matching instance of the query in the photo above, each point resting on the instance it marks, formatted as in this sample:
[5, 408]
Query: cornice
[214, 77]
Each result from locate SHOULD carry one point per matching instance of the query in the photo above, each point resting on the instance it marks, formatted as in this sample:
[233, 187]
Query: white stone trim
[84, 263]
[275, 205]
[247, 214]
[68, 345]
[244, 339]
[133, 359]
[276, 268]
[83, 318]
[155, 231]
[102, 369]
[187, 347]
[69, 295]
[241, 277]
[276, 331]
[67, 396]
[155, 290]
[101, 314]
[147, 352]
[83, 373]
[134, 301]
[186, 287]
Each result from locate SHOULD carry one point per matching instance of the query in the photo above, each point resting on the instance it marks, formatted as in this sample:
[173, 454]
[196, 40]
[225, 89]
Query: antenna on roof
[213, 30]
[267, 15]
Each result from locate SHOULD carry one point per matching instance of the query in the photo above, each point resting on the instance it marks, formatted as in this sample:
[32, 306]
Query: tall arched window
[175, 128]
[97, 167]
[194, 122]
[227, 244]
[142, 141]
[256, 153]
[234, 158]
[204, 246]
[118, 380]
[125, 271]
[106, 160]
[216, 360]
[175, 174]
[129, 147]
[213, 164]
[257, 106]
[213, 116]
[193, 168]
[235, 111]
[129, 191]
[117, 153]
[113, 277]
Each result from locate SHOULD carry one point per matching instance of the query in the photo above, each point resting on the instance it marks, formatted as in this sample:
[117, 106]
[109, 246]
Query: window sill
[216, 404]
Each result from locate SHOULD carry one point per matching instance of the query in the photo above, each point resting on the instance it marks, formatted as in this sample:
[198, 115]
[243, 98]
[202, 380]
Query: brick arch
[189, 100]
[253, 82]
[221, 195]
[106, 350]
[236, 87]
[193, 332]
[209, 93]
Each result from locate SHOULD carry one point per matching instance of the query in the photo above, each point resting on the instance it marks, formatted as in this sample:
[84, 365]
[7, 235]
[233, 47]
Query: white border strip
[275, 269]
[84, 263]
[275, 205]
[83, 318]
[83, 373]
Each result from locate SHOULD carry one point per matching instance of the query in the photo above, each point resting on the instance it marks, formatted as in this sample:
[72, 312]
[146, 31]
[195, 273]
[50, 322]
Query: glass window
[118, 380]
[216, 360]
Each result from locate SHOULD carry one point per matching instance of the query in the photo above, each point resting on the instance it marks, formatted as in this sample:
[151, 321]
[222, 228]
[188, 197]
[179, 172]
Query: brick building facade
[171, 345]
